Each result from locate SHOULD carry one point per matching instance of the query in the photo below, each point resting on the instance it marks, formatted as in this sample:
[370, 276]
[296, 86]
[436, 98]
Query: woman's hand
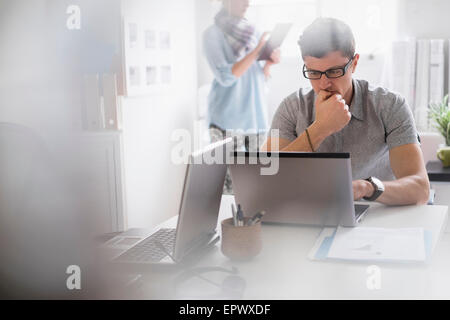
[240, 67]
[275, 57]
[261, 43]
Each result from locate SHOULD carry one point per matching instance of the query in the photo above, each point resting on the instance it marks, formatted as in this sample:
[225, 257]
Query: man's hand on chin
[362, 188]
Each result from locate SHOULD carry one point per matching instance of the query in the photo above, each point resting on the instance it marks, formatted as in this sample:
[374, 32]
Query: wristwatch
[378, 186]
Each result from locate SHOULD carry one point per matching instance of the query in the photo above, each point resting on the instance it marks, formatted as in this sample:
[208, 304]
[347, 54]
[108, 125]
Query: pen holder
[241, 243]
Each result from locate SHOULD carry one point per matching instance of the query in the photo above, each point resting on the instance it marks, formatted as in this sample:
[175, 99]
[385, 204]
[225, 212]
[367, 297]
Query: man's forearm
[407, 190]
[412, 189]
[301, 144]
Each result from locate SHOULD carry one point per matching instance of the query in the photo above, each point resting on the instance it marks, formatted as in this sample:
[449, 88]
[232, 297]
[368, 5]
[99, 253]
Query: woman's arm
[240, 67]
[274, 59]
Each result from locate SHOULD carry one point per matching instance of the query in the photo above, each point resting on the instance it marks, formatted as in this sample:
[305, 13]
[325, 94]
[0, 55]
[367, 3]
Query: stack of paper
[372, 244]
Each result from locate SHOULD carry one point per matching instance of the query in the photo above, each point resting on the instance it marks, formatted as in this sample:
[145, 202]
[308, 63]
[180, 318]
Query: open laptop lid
[305, 188]
[200, 202]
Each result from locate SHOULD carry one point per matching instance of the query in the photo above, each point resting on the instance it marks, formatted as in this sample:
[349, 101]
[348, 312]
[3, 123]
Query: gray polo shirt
[381, 120]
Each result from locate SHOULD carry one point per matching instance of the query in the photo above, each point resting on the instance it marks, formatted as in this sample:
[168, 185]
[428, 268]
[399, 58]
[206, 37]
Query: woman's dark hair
[326, 35]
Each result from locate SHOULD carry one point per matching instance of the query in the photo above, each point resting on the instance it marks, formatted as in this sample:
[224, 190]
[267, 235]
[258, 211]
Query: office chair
[37, 222]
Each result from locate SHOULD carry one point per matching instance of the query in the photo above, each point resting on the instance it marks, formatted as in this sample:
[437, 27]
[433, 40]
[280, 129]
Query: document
[378, 244]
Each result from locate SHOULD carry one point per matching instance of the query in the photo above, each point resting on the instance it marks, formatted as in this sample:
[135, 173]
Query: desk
[283, 271]
[440, 183]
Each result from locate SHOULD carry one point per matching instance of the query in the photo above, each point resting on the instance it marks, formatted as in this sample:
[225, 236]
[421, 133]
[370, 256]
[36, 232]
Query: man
[341, 114]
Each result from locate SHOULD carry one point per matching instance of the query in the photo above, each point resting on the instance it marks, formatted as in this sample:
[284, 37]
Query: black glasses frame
[344, 70]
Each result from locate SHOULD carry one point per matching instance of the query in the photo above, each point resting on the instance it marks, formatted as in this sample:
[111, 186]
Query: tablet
[276, 39]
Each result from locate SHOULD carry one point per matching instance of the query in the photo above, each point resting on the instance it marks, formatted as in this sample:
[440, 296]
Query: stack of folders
[418, 74]
[364, 244]
[102, 104]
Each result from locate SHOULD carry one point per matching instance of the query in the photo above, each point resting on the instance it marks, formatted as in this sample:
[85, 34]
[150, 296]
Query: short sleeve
[399, 123]
[285, 120]
[215, 55]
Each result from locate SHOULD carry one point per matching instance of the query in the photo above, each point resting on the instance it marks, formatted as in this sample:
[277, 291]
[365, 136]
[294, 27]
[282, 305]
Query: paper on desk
[363, 243]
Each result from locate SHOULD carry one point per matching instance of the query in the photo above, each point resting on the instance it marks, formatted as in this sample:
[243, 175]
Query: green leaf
[440, 114]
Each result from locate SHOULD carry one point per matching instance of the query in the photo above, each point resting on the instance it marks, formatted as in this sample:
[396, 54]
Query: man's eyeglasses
[330, 73]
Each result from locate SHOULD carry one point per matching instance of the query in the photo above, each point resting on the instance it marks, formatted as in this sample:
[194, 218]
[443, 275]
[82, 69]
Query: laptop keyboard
[147, 250]
[360, 209]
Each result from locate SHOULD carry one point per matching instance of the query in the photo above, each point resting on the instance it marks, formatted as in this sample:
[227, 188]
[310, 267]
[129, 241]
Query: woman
[237, 100]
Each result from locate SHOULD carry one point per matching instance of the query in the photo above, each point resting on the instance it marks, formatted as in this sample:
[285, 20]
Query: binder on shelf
[111, 101]
[93, 103]
[422, 93]
[436, 70]
[447, 49]
[404, 75]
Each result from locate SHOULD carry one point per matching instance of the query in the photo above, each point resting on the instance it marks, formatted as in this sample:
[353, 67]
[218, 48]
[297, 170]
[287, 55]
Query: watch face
[378, 186]
[378, 183]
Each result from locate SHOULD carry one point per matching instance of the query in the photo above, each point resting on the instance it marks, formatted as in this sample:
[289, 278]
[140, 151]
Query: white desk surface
[283, 271]
[442, 195]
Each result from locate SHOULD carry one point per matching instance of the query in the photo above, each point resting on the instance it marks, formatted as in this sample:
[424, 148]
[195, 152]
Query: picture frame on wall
[132, 34]
[164, 40]
[151, 75]
[150, 39]
[147, 58]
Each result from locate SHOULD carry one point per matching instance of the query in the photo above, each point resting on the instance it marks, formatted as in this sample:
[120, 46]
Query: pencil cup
[241, 243]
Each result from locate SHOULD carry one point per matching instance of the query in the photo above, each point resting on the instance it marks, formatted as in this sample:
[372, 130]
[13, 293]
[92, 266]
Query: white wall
[42, 62]
[424, 18]
[153, 182]
[205, 11]
[33, 89]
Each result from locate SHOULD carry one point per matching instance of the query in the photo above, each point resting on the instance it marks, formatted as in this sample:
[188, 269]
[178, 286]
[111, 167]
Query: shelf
[436, 172]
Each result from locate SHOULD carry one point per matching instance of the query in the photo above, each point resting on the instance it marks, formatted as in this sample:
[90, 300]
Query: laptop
[197, 220]
[308, 189]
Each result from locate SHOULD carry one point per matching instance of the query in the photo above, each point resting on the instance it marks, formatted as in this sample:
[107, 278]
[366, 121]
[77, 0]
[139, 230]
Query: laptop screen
[200, 202]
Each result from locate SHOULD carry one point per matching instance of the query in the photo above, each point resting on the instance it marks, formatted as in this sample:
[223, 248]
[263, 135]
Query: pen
[256, 218]
[235, 218]
[240, 216]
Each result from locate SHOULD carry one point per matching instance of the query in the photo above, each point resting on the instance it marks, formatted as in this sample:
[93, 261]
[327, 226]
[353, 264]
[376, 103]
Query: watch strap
[378, 190]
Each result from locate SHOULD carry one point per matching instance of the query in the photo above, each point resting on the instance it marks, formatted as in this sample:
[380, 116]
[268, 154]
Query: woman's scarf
[239, 33]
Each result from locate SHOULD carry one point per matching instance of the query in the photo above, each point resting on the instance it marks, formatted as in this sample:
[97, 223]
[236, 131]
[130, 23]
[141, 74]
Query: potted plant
[440, 114]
